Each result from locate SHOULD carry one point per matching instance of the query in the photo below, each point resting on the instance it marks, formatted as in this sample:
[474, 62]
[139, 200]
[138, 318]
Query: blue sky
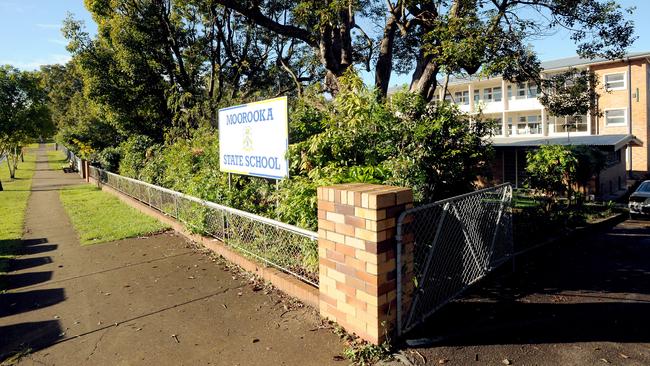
[30, 33]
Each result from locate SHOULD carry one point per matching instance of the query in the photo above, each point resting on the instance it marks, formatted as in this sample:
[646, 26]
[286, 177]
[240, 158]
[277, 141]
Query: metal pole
[277, 200]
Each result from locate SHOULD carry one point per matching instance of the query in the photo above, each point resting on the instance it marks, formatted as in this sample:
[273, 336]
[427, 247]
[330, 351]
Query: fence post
[357, 250]
[82, 171]
[87, 170]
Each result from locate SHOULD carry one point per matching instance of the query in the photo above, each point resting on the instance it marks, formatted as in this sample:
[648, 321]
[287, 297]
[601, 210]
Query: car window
[644, 187]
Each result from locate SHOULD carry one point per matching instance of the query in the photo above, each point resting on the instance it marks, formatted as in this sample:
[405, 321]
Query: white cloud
[35, 64]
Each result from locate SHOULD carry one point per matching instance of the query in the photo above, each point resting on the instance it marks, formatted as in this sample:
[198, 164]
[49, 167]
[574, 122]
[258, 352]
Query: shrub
[134, 155]
[109, 158]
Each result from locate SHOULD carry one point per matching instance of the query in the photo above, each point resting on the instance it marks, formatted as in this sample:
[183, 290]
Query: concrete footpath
[143, 301]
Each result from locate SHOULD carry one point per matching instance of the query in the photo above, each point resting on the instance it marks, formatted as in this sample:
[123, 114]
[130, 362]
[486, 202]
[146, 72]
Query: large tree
[429, 37]
[23, 113]
[157, 65]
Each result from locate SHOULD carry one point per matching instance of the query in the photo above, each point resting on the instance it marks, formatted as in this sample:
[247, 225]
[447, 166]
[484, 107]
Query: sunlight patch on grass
[56, 159]
[13, 203]
[99, 217]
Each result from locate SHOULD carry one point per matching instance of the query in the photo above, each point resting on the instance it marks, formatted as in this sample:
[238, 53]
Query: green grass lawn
[99, 217]
[56, 159]
[13, 202]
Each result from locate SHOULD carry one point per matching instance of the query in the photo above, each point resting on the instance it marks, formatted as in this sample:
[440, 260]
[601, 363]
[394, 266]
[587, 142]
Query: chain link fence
[286, 247]
[72, 158]
[446, 246]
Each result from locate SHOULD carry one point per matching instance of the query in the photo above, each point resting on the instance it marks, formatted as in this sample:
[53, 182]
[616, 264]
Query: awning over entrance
[611, 141]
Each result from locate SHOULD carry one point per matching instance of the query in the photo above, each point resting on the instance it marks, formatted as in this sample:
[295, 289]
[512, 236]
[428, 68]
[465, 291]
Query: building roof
[612, 141]
[557, 64]
[578, 61]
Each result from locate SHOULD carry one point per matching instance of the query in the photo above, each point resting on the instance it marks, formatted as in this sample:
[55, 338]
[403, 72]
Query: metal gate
[446, 246]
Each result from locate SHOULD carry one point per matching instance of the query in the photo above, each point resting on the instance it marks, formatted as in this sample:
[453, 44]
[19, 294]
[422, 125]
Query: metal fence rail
[446, 246]
[286, 247]
[71, 157]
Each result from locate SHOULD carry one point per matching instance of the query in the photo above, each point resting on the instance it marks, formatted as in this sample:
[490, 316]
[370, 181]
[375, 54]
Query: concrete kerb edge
[286, 283]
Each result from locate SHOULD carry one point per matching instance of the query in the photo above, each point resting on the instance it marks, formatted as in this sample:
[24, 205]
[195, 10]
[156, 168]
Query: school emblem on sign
[248, 140]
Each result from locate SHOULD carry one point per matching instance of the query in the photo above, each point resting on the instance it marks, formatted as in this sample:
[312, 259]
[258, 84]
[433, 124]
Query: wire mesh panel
[446, 246]
[286, 247]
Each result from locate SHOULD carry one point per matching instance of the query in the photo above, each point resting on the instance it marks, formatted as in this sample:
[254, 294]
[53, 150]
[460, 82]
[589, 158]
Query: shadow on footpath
[596, 289]
[12, 303]
[28, 337]
[19, 264]
[14, 281]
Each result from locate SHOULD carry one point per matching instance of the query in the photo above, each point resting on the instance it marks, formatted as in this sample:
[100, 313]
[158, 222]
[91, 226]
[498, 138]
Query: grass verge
[13, 203]
[99, 217]
[56, 159]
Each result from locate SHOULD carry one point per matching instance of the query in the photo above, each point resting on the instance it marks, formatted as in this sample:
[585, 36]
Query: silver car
[639, 202]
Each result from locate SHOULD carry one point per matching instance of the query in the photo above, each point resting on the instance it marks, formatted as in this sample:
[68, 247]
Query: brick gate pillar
[357, 249]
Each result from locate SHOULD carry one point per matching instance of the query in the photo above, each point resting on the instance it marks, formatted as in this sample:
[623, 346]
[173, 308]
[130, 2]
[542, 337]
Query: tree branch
[255, 15]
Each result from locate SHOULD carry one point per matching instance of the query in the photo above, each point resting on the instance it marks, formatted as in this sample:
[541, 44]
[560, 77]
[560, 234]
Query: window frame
[522, 91]
[624, 87]
[494, 99]
[625, 117]
[487, 95]
[461, 97]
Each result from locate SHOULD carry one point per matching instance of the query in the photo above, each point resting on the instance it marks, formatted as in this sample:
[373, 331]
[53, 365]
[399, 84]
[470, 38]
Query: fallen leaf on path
[604, 360]
[623, 355]
[443, 361]
[506, 361]
[255, 340]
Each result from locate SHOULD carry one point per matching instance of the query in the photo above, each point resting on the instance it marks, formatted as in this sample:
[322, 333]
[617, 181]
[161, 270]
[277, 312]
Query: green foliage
[24, 115]
[571, 93]
[109, 158]
[591, 161]
[353, 138]
[554, 170]
[551, 169]
[298, 202]
[135, 155]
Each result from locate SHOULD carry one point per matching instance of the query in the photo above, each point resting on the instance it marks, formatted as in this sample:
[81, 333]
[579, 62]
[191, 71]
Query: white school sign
[254, 138]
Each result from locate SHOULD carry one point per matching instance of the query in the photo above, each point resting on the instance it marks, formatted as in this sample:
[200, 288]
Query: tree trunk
[12, 173]
[332, 83]
[424, 77]
[1, 189]
[15, 159]
[385, 59]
